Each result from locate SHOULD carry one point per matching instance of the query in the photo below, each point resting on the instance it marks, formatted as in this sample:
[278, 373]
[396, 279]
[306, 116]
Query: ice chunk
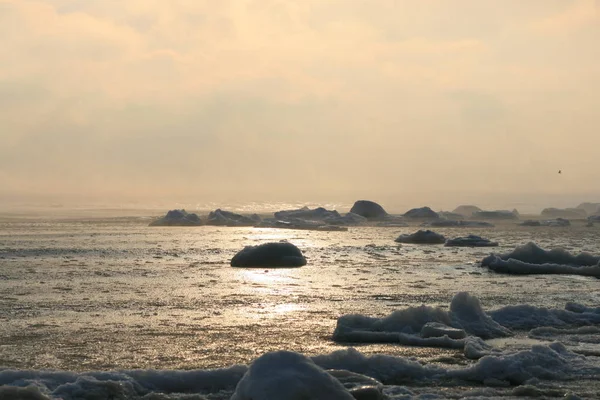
[470, 241]
[368, 209]
[558, 222]
[532, 253]
[318, 214]
[511, 266]
[288, 375]
[467, 313]
[475, 348]
[466, 210]
[450, 215]
[177, 218]
[421, 213]
[422, 237]
[524, 316]
[564, 213]
[590, 208]
[544, 362]
[300, 224]
[227, 218]
[436, 329]
[276, 254]
[406, 326]
[531, 259]
[384, 368]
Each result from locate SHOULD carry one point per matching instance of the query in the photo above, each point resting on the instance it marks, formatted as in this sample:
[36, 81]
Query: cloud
[578, 15]
[113, 96]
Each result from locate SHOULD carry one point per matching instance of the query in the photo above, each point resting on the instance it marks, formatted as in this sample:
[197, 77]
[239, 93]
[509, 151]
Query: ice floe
[470, 241]
[558, 222]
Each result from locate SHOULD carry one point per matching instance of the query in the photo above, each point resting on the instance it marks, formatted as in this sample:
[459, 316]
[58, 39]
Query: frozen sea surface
[112, 294]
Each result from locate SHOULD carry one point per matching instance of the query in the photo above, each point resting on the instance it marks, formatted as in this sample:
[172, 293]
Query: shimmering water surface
[101, 293]
[106, 293]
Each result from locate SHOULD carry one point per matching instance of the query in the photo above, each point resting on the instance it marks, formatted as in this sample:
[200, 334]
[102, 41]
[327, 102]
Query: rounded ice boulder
[290, 376]
[422, 237]
[368, 209]
[276, 254]
[421, 213]
[466, 210]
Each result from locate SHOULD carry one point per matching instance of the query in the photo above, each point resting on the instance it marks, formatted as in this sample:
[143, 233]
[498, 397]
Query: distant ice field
[112, 294]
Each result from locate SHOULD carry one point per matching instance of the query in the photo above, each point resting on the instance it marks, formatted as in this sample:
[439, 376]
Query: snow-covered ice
[532, 259]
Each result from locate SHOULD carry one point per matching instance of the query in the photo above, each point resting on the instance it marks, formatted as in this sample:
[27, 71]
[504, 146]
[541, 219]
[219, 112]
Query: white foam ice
[524, 316]
[406, 326]
[385, 368]
[341, 375]
[531, 259]
[551, 362]
[512, 266]
[132, 384]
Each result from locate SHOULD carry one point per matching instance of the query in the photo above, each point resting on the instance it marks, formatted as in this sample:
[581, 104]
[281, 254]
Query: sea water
[107, 306]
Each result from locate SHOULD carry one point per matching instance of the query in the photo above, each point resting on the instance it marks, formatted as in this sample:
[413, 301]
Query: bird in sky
[560, 171]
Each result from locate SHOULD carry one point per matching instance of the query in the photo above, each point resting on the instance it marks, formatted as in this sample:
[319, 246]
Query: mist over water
[115, 113]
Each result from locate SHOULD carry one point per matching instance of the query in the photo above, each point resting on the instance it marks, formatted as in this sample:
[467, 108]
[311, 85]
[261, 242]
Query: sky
[431, 101]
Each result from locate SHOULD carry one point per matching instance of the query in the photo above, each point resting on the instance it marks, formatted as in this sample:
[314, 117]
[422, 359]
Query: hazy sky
[299, 99]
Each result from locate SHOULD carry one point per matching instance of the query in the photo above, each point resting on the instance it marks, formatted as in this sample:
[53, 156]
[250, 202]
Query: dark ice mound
[470, 241]
[277, 254]
[227, 218]
[498, 214]
[178, 218]
[368, 209]
[466, 211]
[566, 213]
[421, 213]
[446, 223]
[531, 259]
[422, 237]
